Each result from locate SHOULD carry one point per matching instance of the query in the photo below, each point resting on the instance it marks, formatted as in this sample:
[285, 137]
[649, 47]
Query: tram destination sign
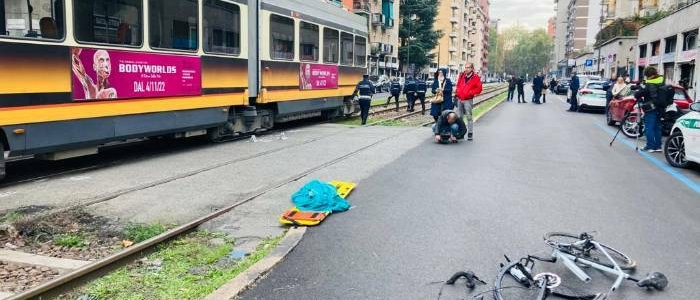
[114, 74]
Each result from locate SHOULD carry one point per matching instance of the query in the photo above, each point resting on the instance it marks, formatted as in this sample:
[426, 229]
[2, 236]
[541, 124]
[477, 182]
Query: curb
[244, 280]
[488, 110]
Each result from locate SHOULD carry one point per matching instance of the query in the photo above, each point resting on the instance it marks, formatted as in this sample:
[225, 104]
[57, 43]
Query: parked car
[620, 108]
[562, 87]
[683, 146]
[591, 96]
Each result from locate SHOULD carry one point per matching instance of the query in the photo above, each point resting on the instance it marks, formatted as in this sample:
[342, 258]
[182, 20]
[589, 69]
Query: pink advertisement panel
[317, 77]
[114, 74]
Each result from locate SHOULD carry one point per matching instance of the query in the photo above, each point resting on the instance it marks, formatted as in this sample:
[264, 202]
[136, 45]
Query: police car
[683, 146]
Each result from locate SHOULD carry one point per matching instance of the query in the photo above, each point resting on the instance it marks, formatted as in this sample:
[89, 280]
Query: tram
[79, 74]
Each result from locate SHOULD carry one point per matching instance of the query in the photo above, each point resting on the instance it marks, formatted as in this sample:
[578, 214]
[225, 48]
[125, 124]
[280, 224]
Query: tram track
[36, 170]
[64, 283]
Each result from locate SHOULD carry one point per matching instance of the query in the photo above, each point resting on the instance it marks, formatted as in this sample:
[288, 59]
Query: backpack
[662, 95]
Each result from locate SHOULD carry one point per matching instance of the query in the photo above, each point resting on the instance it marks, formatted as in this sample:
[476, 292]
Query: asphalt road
[531, 169]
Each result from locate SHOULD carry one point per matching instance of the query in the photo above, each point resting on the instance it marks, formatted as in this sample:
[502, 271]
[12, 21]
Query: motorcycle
[632, 124]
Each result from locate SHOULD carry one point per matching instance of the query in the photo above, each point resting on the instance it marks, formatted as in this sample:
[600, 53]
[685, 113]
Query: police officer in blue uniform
[409, 89]
[421, 89]
[395, 90]
[365, 88]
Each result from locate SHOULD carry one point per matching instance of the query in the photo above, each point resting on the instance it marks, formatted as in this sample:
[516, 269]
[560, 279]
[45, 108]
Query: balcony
[377, 19]
[453, 34]
[454, 5]
[361, 7]
[453, 49]
[454, 20]
[452, 63]
[382, 64]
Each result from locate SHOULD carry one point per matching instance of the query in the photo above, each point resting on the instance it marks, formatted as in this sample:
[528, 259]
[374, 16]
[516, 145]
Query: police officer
[366, 90]
[409, 89]
[421, 88]
[395, 90]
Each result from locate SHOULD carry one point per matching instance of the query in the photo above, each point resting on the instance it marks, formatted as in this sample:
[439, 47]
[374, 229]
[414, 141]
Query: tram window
[108, 21]
[330, 45]
[346, 44]
[309, 41]
[172, 24]
[40, 19]
[360, 51]
[282, 35]
[222, 27]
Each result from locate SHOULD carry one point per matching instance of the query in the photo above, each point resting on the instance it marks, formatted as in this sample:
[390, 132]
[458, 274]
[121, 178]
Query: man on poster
[102, 65]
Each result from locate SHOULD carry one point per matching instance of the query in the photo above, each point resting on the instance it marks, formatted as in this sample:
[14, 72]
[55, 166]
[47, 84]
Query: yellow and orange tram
[77, 74]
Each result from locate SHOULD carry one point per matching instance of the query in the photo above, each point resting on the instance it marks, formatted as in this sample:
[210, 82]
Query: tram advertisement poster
[113, 74]
[317, 77]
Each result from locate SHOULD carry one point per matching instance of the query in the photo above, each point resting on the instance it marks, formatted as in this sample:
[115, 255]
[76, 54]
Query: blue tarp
[319, 196]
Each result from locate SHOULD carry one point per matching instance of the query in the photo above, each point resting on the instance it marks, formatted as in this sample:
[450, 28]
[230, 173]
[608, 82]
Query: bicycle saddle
[468, 275]
[656, 280]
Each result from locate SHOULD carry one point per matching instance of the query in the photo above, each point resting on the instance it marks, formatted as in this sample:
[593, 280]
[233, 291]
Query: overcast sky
[528, 13]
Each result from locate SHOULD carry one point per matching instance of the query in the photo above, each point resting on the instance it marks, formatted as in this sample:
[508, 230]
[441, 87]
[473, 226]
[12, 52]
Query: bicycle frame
[571, 261]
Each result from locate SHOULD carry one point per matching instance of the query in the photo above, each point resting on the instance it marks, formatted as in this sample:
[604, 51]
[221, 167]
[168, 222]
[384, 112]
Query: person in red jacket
[468, 87]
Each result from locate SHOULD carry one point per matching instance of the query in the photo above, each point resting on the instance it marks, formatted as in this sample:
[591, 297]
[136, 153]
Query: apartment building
[561, 8]
[583, 23]
[671, 45]
[465, 24]
[383, 22]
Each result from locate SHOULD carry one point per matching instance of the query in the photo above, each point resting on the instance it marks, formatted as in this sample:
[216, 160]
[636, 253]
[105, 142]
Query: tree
[417, 19]
[526, 52]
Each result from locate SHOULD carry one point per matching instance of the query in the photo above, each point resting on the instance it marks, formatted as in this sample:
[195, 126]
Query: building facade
[616, 56]
[383, 22]
[561, 8]
[465, 25]
[671, 45]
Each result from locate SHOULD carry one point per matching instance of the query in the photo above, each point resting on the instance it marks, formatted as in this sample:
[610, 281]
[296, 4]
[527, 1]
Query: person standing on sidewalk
[365, 88]
[511, 88]
[574, 86]
[421, 89]
[468, 87]
[442, 90]
[649, 96]
[537, 86]
[520, 84]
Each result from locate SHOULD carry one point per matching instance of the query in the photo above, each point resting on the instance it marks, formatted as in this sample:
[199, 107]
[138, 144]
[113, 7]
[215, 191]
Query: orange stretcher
[294, 216]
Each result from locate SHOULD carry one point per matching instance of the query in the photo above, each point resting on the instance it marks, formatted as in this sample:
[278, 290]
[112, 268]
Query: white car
[683, 146]
[591, 96]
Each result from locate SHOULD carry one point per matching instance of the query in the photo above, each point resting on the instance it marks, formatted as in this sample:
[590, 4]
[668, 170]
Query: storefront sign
[642, 61]
[317, 76]
[113, 74]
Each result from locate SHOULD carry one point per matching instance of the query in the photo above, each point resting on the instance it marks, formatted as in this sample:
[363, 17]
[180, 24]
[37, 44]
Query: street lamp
[408, 44]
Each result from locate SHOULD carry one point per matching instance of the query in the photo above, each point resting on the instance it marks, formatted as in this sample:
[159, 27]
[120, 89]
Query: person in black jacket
[537, 85]
[395, 90]
[421, 89]
[511, 88]
[409, 89]
[520, 84]
[449, 127]
[365, 88]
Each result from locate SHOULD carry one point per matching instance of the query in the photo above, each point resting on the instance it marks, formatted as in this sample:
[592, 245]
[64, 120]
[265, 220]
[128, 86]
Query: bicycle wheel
[508, 288]
[564, 242]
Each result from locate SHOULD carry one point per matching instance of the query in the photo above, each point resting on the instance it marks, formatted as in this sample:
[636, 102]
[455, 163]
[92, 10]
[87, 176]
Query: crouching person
[449, 128]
